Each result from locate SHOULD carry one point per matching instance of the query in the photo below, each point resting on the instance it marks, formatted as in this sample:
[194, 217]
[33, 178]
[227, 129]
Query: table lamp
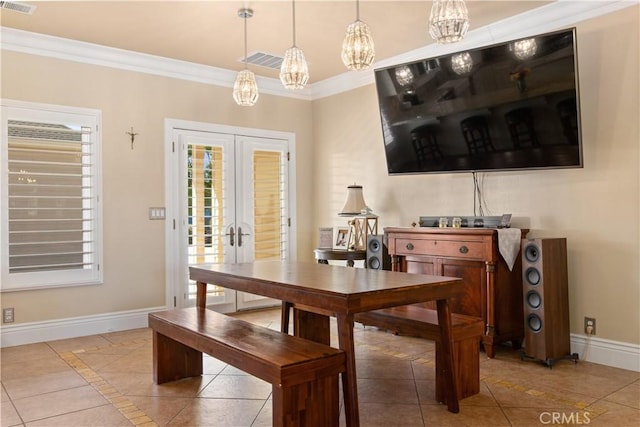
[364, 222]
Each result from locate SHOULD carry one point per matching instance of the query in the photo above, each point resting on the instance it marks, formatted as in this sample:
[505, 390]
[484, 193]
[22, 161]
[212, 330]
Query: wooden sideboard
[492, 291]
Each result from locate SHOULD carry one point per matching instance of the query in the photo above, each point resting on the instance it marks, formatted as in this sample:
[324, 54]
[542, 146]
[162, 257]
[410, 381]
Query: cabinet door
[420, 265]
[473, 273]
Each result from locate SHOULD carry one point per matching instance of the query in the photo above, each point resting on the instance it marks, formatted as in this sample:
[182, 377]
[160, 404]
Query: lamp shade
[355, 201]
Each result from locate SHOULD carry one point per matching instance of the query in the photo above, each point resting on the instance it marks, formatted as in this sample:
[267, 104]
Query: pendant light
[449, 21]
[245, 88]
[294, 72]
[358, 50]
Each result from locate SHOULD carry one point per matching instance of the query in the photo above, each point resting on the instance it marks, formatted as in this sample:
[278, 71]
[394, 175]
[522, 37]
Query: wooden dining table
[320, 291]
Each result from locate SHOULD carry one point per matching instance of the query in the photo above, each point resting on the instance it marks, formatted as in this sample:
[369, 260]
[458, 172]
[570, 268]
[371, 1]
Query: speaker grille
[534, 323]
[532, 276]
[533, 299]
[374, 245]
[374, 263]
[531, 252]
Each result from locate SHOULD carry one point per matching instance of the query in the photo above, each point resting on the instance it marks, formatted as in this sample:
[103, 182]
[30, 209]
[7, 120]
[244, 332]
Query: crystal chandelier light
[449, 21]
[245, 88]
[294, 72]
[358, 49]
[461, 63]
[524, 49]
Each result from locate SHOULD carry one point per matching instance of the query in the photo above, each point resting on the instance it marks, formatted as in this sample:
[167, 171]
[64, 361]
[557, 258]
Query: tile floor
[106, 380]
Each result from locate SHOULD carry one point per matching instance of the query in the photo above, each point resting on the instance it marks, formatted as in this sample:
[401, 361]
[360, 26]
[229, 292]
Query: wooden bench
[419, 321]
[304, 374]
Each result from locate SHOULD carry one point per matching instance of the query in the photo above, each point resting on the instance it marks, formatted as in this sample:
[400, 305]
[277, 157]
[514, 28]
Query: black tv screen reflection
[513, 105]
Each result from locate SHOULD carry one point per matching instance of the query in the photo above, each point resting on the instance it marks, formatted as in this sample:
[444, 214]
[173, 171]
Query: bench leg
[312, 404]
[173, 360]
[466, 359]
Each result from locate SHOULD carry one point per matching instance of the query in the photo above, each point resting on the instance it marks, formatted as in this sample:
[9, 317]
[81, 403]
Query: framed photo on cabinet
[341, 237]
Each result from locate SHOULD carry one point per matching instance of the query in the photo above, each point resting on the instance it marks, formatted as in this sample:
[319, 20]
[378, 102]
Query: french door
[232, 205]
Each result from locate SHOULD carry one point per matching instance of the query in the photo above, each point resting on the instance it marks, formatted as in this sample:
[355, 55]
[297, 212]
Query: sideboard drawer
[457, 249]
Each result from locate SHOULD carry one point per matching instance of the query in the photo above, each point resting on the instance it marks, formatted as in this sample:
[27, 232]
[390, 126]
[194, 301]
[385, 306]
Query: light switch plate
[157, 213]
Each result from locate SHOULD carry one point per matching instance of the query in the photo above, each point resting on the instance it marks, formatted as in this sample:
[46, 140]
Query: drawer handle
[464, 249]
[410, 246]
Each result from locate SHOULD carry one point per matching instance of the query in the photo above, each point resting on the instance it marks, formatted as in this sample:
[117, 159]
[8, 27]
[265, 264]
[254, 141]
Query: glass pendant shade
[461, 63]
[294, 72]
[358, 50]
[449, 21]
[245, 89]
[404, 76]
[525, 49]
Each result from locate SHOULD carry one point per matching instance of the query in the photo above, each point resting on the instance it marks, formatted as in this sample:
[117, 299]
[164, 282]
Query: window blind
[269, 205]
[50, 214]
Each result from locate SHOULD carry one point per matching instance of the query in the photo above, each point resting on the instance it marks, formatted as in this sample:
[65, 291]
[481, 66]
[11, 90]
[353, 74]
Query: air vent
[264, 60]
[17, 7]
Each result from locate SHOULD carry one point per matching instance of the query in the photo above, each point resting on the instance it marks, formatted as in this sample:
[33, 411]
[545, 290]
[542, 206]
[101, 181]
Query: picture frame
[325, 240]
[341, 237]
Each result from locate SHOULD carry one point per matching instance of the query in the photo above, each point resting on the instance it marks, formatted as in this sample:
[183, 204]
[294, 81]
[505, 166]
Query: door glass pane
[205, 205]
[269, 205]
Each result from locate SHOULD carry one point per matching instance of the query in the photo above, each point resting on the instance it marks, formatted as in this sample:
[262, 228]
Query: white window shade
[51, 223]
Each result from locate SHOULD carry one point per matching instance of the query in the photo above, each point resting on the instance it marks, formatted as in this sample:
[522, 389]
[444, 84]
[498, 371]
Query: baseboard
[606, 352]
[29, 333]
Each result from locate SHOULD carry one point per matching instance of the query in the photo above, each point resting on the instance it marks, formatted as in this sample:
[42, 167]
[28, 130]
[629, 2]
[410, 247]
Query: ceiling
[211, 33]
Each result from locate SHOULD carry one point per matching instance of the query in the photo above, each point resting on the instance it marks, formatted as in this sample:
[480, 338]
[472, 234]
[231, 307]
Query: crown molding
[550, 17]
[89, 53]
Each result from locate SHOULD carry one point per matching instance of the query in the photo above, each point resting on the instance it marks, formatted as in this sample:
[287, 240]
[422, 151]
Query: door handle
[240, 234]
[231, 235]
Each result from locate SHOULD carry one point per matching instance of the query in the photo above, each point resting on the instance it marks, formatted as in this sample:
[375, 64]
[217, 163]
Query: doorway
[229, 193]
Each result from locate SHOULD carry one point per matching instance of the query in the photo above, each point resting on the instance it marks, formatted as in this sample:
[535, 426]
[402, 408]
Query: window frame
[48, 113]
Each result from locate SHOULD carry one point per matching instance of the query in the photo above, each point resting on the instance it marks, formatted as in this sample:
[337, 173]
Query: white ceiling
[211, 33]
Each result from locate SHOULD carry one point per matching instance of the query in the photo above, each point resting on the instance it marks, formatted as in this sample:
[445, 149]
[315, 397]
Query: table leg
[451, 391]
[311, 326]
[349, 379]
[201, 294]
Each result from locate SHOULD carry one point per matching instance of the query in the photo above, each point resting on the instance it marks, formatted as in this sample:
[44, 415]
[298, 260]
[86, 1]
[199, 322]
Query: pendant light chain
[293, 13]
[245, 41]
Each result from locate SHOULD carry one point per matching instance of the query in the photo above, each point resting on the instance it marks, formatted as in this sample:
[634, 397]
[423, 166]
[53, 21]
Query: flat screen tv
[508, 106]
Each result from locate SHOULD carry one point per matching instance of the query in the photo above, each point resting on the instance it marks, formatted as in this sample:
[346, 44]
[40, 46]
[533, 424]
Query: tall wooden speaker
[546, 299]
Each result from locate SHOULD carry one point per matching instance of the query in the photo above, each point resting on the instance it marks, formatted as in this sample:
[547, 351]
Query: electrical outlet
[7, 315]
[589, 325]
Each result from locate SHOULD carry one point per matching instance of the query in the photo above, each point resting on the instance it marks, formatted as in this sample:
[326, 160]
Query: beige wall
[133, 180]
[339, 143]
[595, 208]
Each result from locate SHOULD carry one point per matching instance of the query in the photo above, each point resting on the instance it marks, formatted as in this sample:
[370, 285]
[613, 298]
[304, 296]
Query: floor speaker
[377, 253]
[546, 299]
